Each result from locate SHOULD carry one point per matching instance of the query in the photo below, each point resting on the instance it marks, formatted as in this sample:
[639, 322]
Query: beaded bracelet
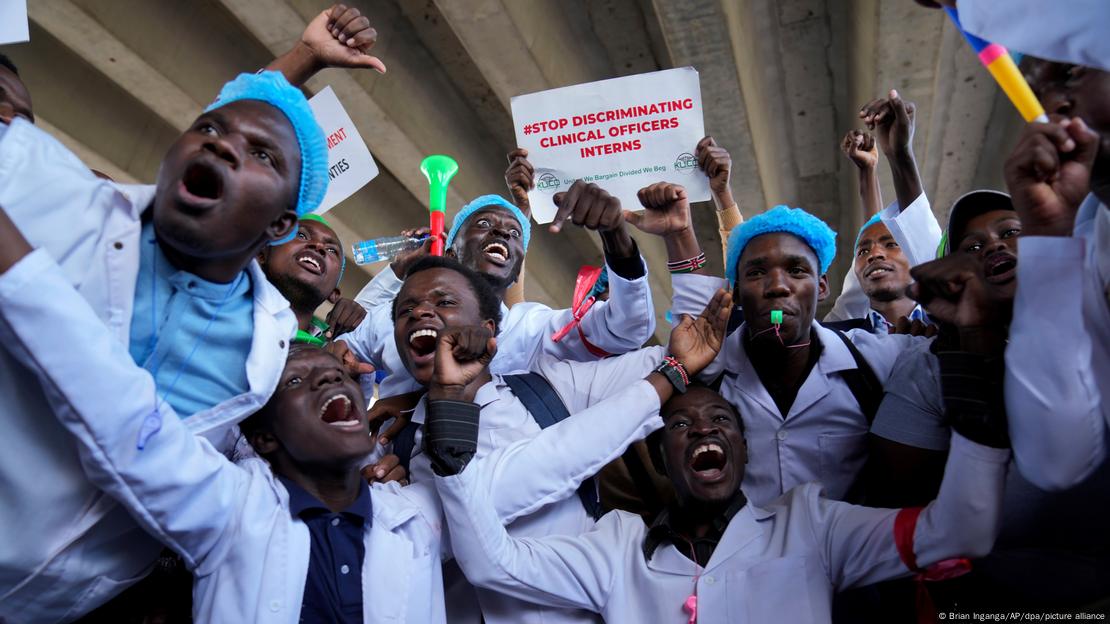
[687, 266]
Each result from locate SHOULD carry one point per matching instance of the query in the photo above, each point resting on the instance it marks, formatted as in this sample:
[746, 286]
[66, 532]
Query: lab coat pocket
[842, 457]
[776, 590]
[100, 590]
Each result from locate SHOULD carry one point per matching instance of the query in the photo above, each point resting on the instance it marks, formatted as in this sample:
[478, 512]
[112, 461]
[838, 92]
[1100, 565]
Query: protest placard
[621, 134]
[350, 165]
[13, 21]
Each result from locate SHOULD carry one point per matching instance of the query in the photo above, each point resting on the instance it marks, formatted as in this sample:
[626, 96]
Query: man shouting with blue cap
[807, 394]
[170, 269]
[490, 236]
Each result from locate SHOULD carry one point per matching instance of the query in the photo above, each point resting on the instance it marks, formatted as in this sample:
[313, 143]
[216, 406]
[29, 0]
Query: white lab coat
[67, 547]
[1071, 32]
[916, 231]
[780, 562]
[231, 523]
[1058, 357]
[506, 421]
[824, 436]
[619, 325]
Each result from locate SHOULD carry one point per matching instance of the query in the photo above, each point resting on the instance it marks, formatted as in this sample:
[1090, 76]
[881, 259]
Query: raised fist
[462, 353]
[892, 121]
[666, 210]
[1049, 173]
[861, 149]
[342, 37]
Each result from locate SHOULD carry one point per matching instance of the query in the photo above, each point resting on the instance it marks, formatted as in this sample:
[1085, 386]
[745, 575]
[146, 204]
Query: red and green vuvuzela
[439, 170]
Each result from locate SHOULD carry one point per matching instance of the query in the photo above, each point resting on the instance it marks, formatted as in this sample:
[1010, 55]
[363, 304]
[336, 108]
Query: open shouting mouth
[1000, 267]
[497, 253]
[202, 183]
[339, 411]
[707, 461]
[422, 345]
[311, 261]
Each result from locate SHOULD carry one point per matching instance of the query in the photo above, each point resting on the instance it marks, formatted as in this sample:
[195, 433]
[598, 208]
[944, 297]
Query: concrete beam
[962, 101]
[907, 55]
[67, 22]
[435, 33]
[89, 156]
[277, 25]
[696, 34]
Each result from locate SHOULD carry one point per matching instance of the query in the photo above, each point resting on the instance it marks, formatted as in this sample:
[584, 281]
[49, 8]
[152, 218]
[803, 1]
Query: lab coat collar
[301, 501]
[744, 529]
[661, 529]
[140, 197]
[834, 358]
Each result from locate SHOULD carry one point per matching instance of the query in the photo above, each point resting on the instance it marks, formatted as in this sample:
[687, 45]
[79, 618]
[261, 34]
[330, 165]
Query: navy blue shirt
[333, 589]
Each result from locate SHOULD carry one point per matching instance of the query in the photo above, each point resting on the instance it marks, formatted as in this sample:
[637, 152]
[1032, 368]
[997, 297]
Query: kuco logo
[685, 163]
[548, 183]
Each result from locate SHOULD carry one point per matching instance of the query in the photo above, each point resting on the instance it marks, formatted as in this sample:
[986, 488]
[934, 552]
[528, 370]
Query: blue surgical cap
[483, 202]
[272, 88]
[875, 218]
[782, 219]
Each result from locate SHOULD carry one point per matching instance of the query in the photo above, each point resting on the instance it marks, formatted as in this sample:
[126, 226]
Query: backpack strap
[404, 443]
[862, 381]
[547, 408]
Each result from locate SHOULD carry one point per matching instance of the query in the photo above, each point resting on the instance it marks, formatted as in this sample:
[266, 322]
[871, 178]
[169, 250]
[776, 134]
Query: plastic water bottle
[384, 248]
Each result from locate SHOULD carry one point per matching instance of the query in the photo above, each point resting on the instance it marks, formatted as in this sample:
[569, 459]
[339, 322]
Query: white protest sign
[350, 165]
[13, 21]
[621, 134]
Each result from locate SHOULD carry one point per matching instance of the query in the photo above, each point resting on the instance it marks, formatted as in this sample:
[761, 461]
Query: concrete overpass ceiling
[781, 83]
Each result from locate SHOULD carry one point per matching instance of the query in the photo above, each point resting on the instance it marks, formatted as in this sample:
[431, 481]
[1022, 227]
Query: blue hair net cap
[796, 221]
[483, 202]
[272, 88]
[875, 218]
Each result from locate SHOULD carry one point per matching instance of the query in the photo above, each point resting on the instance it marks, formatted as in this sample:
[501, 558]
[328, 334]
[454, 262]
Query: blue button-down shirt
[193, 335]
[333, 589]
[880, 324]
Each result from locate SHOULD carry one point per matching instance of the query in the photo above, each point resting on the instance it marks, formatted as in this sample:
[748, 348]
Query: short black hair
[489, 304]
[654, 440]
[259, 420]
[7, 62]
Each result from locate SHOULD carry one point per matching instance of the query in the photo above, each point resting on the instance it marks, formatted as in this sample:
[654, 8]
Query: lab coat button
[343, 569]
[275, 606]
[709, 580]
[781, 435]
